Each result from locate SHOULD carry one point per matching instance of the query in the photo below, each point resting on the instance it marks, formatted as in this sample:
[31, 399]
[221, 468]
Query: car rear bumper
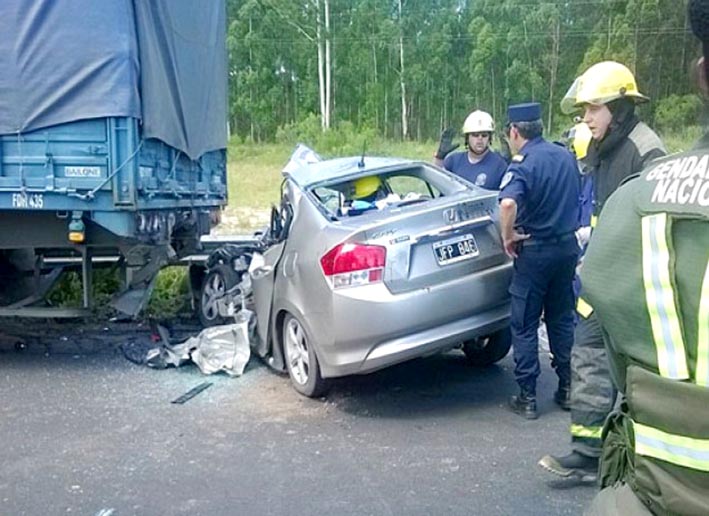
[371, 328]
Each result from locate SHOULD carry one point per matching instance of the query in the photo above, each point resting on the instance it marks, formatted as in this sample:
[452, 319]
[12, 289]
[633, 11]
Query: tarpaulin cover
[78, 59]
[184, 72]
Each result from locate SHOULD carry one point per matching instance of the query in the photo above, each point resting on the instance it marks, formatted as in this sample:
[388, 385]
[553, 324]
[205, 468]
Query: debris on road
[223, 348]
[219, 348]
[192, 393]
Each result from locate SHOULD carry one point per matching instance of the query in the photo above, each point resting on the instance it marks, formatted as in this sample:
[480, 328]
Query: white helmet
[479, 122]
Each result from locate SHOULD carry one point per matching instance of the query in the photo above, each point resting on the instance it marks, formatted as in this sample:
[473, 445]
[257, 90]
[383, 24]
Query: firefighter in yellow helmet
[579, 138]
[362, 194]
[478, 164]
[365, 188]
[621, 146]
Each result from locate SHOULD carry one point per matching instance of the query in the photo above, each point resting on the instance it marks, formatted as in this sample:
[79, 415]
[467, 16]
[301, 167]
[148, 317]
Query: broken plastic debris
[219, 348]
[223, 348]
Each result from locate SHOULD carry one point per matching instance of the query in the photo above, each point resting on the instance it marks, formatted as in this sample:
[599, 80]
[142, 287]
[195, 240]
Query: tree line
[407, 68]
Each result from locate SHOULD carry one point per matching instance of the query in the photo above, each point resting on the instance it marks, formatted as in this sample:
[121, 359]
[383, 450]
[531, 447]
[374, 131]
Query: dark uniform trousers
[543, 281]
[592, 391]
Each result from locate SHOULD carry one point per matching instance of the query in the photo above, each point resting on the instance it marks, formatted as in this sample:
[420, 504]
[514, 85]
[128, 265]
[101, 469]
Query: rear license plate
[456, 249]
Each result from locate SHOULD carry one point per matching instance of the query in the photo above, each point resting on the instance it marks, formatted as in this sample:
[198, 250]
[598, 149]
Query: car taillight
[351, 265]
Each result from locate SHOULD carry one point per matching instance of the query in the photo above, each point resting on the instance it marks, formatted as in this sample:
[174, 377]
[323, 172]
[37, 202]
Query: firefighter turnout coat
[646, 275]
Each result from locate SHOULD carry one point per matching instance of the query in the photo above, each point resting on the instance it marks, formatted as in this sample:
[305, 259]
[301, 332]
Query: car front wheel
[301, 361]
[214, 286]
[485, 351]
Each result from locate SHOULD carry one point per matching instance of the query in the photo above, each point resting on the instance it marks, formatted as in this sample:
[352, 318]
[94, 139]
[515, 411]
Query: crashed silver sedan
[369, 262]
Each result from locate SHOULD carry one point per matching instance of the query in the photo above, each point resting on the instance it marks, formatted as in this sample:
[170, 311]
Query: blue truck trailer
[112, 140]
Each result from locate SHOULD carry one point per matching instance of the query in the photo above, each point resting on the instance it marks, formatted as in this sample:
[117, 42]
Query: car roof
[342, 167]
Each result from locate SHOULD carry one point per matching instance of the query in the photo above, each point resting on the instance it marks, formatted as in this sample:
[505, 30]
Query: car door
[263, 277]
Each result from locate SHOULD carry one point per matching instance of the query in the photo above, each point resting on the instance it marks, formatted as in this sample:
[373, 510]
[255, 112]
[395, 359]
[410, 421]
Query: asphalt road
[83, 430]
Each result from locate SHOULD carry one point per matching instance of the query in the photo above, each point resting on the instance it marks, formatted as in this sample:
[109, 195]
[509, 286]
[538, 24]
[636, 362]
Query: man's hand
[510, 237]
[510, 242]
[446, 145]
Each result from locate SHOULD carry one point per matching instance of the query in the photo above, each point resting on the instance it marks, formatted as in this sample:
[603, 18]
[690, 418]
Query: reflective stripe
[594, 221]
[676, 449]
[660, 299]
[583, 308]
[593, 432]
[702, 376]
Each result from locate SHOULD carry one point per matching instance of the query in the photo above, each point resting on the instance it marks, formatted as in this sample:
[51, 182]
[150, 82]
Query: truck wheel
[485, 351]
[301, 361]
[215, 284]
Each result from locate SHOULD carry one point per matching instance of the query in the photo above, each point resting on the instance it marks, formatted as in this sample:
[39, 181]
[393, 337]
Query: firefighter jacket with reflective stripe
[646, 274]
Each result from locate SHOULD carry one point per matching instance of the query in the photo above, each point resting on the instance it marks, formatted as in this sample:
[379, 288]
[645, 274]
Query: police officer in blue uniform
[539, 210]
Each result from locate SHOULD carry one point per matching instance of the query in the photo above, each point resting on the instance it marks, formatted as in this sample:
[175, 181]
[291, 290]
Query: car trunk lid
[438, 241]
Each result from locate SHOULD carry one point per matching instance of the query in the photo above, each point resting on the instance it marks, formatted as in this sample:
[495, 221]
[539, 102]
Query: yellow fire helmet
[365, 186]
[600, 84]
[580, 136]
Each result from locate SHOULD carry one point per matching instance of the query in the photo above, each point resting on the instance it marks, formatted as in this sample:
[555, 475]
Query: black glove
[446, 146]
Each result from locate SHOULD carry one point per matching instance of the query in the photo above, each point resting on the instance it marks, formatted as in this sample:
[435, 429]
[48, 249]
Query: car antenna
[364, 150]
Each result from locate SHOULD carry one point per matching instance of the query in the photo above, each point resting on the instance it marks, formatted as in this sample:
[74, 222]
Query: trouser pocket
[616, 464]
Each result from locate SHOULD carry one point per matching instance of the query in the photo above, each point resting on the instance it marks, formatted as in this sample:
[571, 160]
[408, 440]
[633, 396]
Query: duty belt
[559, 239]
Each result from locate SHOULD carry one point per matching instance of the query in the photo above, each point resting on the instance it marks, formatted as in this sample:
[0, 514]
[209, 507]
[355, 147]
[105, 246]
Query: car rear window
[379, 191]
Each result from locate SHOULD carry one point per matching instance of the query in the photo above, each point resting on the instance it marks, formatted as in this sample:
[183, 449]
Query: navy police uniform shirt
[487, 173]
[543, 179]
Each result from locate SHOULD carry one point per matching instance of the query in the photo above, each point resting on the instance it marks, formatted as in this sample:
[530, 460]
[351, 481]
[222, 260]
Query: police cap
[528, 112]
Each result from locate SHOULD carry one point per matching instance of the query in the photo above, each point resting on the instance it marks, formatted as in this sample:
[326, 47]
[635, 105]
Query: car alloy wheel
[297, 352]
[301, 361]
[215, 284]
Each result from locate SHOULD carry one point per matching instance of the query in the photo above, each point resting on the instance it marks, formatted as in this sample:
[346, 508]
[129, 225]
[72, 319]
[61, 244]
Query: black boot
[574, 464]
[562, 397]
[524, 404]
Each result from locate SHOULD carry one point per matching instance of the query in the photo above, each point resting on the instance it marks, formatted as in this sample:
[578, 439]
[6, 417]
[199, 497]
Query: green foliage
[308, 131]
[68, 291]
[459, 56]
[170, 297]
[677, 112]
[342, 140]
[683, 139]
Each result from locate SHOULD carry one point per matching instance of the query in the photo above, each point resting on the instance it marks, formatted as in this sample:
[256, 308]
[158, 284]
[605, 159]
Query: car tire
[487, 350]
[301, 361]
[215, 283]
